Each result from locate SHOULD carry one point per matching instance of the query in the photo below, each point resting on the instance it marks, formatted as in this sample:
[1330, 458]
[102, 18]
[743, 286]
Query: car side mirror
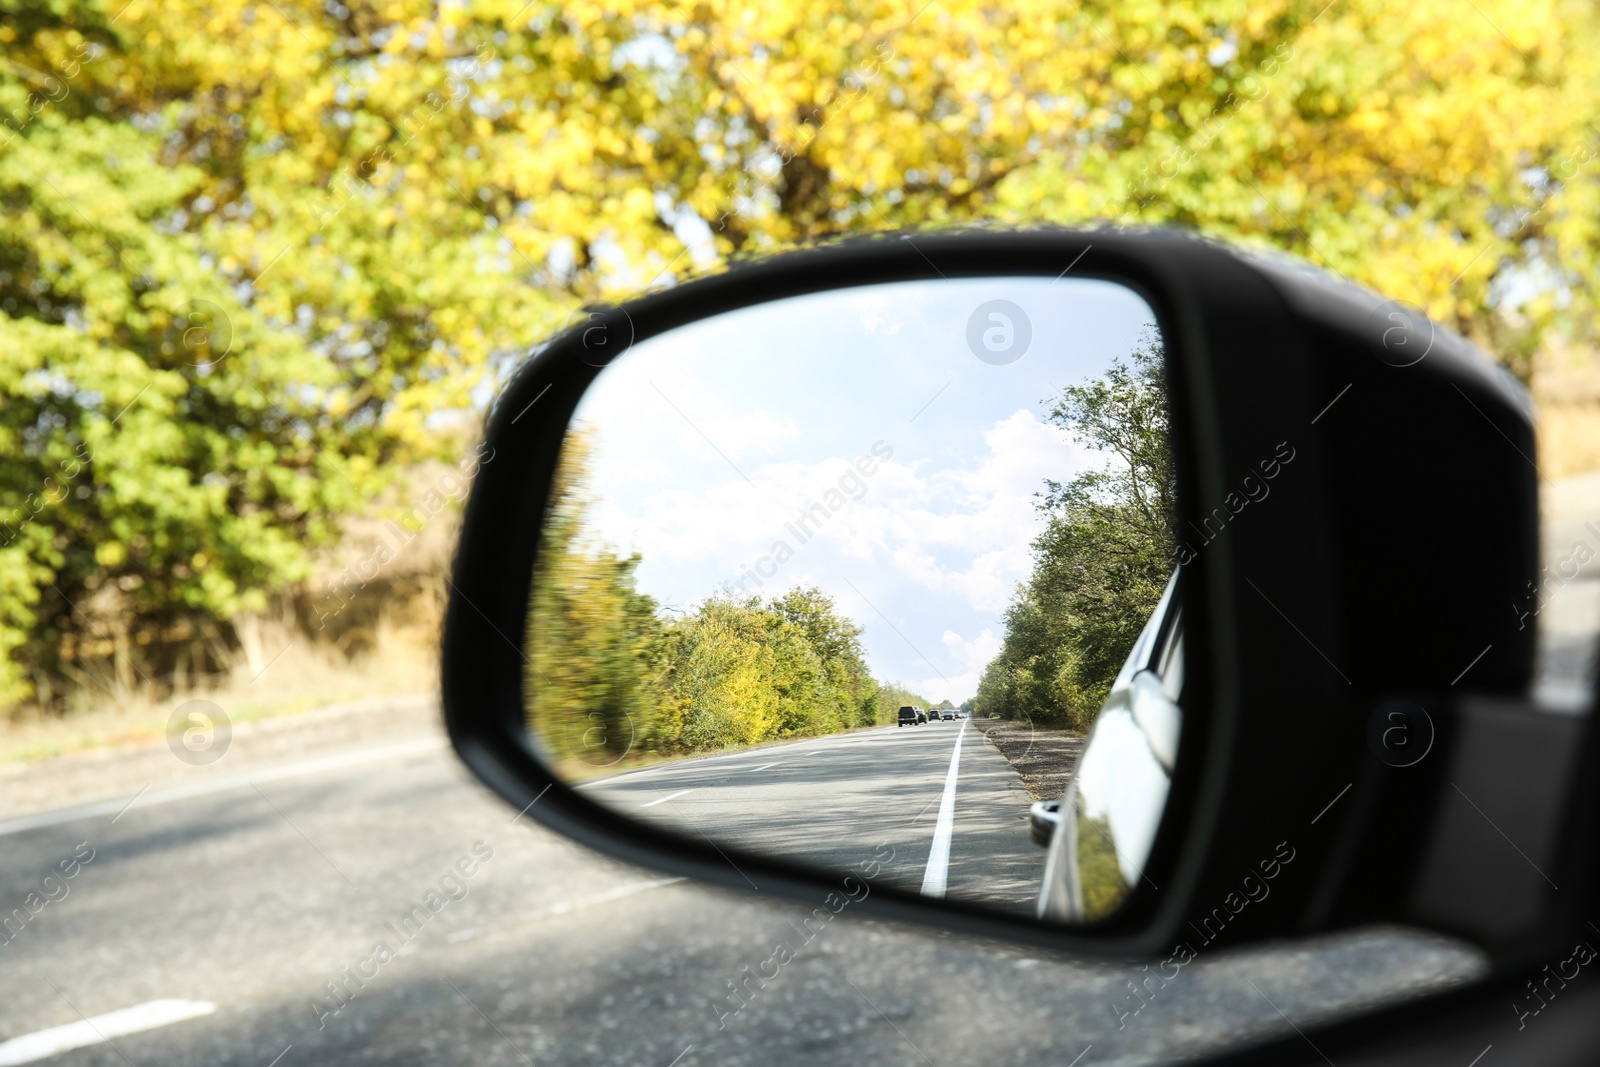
[726, 534]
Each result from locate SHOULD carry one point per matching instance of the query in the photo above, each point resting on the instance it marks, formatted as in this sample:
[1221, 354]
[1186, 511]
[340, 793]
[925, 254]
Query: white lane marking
[100, 1028]
[669, 796]
[933, 881]
[238, 781]
[764, 766]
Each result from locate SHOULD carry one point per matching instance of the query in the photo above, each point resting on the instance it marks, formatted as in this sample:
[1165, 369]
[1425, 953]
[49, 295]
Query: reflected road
[839, 801]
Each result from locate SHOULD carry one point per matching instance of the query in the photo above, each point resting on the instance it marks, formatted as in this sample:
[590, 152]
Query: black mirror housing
[1358, 518]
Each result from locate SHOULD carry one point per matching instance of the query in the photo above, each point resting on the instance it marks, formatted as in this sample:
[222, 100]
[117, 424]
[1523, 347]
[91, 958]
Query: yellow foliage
[396, 199]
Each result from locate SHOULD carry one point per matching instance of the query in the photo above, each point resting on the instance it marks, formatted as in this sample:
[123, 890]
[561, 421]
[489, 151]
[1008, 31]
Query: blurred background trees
[613, 677]
[258, 258]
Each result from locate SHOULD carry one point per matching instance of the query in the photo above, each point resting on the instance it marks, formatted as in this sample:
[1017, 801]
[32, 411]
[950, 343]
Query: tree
[303, 230]
[217, 343]
[891, 697]
[170, 454]
[836, 691]
[728, 685]
[743, 671]
[1104, 557]
[610, 675]
[595, 644]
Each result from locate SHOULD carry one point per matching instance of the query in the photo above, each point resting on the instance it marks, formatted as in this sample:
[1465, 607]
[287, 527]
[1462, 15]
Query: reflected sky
[852, 440]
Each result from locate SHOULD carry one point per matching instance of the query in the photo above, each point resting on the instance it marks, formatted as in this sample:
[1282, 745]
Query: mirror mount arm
[1520, 761]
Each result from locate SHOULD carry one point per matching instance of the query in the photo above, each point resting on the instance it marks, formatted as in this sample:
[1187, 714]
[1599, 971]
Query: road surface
[252, 895]
[939, 801]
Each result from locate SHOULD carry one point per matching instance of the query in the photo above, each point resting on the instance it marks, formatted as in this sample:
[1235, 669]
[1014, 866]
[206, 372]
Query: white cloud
[954, 687]
[756, 433]
[974, 653]
[966, 529]
[877, 312]
[957, 528]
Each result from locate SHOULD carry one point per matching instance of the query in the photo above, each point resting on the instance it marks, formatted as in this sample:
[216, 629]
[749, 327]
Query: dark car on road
[911, 715]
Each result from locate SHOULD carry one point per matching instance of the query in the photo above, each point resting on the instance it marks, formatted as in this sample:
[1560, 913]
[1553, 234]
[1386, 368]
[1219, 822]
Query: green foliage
[596, 641]
[169, 453]
[742, 672]
[609, 677]
[288, 234]
[1103, 559]
[891, 698]
[214, 349]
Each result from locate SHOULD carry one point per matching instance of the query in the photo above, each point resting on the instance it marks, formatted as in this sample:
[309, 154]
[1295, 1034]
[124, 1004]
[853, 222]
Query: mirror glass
[848, 578]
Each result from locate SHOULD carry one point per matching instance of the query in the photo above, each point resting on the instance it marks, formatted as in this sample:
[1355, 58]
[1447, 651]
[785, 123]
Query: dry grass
[1566, 385]
[398, 659]
[1569, 439]
[366, 625]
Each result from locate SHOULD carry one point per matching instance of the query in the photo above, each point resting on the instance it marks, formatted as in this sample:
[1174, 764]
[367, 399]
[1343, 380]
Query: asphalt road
[257, 893]
[1565, 602]
[887, 793]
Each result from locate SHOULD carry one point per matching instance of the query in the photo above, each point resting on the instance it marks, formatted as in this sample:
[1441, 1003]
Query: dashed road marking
[99, 1029]
[669, 796]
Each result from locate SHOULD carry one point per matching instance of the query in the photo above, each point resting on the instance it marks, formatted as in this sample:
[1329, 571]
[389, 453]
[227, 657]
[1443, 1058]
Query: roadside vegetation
[1103, 559]
[614, 677]
[252, 255]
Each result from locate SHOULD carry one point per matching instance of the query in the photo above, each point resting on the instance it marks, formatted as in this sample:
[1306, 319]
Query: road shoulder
[1044, 759]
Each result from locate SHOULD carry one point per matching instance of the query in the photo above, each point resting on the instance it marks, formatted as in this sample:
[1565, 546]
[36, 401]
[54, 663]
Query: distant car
[922, 716]
[947, 715]
[910, 715]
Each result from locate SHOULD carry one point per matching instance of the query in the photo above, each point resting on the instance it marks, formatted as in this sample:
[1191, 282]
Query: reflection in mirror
[845, 579]
[1114, 804]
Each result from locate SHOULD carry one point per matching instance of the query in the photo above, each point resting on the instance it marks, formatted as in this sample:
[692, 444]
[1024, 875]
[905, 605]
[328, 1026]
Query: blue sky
[712, 441]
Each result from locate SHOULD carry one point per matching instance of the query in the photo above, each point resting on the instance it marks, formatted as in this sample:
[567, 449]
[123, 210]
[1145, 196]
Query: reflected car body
[1113, 805]
[1043, 817]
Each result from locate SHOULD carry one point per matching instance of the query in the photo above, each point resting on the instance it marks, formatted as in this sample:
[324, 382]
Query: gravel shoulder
[1044, 758]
